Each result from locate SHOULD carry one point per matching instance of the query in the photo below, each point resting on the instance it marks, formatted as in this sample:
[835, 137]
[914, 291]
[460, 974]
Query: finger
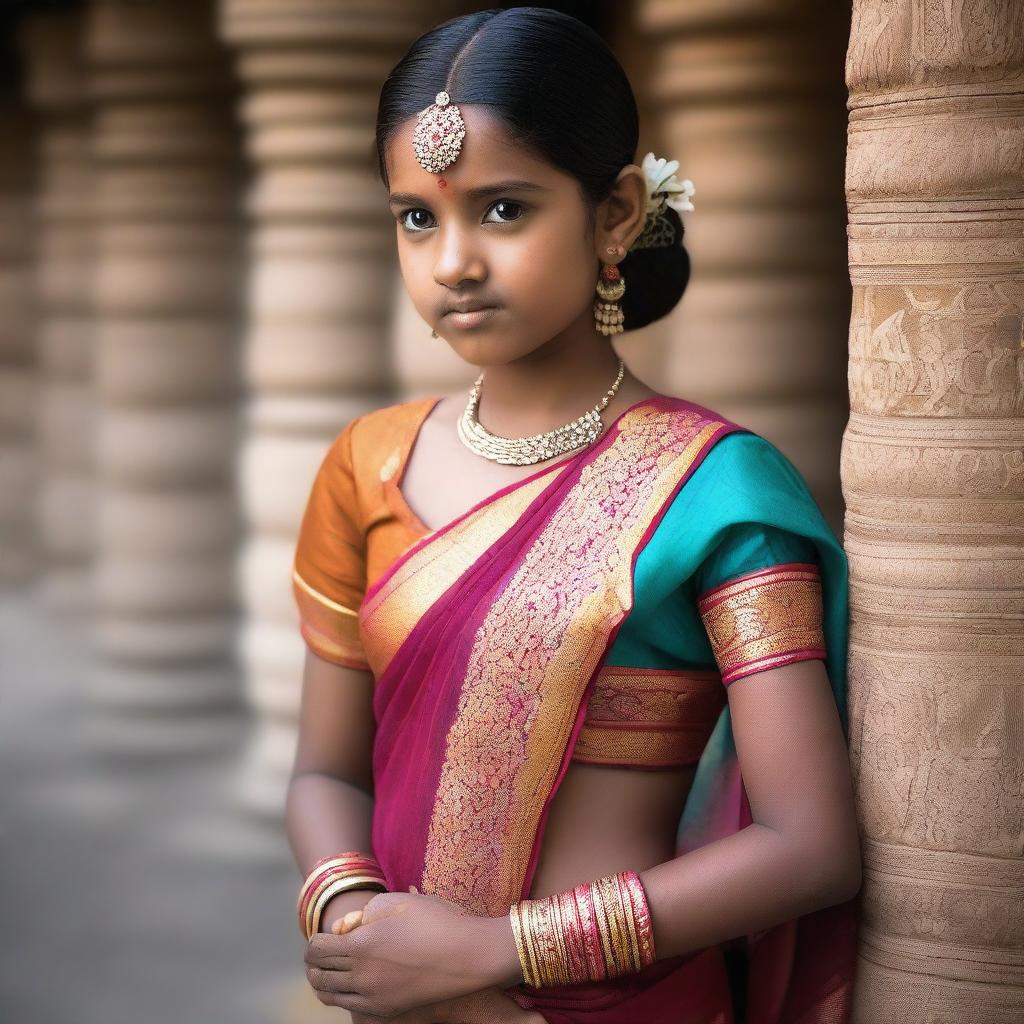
[336, 982]
[345, 924]
[329, 951]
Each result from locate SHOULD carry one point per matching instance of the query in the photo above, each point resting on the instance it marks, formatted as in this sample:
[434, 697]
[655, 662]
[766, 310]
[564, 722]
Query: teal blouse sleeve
[744, 509]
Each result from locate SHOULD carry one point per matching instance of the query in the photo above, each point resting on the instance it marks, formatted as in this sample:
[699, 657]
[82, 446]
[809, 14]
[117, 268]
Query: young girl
[573, 732]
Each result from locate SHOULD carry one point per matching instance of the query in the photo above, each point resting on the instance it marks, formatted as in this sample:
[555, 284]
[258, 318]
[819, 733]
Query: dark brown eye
[417, 227]
[506, 205]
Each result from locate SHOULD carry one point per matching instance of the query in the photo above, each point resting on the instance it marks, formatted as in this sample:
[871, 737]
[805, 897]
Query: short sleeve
[329, 569]
[759, 596]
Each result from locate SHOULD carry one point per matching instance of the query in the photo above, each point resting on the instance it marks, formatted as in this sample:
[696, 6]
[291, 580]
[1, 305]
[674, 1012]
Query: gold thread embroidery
[546, 630]
[764, 619]
[390, 464]
[652, 718]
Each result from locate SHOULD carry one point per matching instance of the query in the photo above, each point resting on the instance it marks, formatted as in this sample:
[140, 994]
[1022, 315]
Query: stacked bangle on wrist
[330, 876]
[598, 930]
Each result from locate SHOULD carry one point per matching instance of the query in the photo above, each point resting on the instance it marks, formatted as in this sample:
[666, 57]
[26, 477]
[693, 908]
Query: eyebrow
[482, 192]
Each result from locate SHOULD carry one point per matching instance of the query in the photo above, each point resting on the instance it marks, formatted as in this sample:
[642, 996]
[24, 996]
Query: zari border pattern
[764, 619]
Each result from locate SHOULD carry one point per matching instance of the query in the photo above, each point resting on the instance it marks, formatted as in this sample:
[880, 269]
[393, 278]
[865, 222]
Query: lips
[468, 309]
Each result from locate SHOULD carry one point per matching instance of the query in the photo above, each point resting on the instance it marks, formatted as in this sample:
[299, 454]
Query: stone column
[933, 475]
[320, 302]
[750, 100]
[56, 88]
[167, 386]
[18, 383]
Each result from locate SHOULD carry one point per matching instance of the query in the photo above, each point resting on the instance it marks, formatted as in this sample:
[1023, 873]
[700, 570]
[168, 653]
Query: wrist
[343, 903]
[495, 945]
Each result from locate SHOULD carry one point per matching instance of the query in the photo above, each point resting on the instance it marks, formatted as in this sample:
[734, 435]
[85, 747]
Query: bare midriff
[605, 819]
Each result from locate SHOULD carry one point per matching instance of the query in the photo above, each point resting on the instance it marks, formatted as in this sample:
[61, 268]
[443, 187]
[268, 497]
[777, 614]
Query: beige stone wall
[933, 473]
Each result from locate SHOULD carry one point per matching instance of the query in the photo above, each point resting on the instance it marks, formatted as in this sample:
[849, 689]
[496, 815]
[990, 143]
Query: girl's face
[508, 230]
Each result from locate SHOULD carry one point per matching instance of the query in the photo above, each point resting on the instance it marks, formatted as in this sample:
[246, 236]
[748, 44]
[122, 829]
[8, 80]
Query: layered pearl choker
[524, 451]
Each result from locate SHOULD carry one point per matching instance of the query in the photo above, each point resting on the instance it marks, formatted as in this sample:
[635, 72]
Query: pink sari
[485, 638]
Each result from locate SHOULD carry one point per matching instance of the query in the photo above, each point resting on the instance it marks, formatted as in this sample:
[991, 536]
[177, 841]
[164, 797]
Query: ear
[621, 216]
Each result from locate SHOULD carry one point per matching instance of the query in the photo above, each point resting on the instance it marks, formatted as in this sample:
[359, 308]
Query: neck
[549, 387]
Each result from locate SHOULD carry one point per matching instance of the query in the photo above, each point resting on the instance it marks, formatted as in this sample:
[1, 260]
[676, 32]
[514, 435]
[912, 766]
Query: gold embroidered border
[501, 756]
[764, 619]
[649, 718]
[330, 629]
[390, 612]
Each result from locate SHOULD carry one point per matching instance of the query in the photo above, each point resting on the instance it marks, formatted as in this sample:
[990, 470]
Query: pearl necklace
[523, 451]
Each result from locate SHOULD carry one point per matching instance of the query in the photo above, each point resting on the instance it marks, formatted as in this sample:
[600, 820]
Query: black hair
[560, 91]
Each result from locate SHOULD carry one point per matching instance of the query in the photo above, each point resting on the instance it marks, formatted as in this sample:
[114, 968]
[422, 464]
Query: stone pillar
[18, 383]
[750, 100]
[56, 88]
[322, 267]
[167, 382]
[933, 475]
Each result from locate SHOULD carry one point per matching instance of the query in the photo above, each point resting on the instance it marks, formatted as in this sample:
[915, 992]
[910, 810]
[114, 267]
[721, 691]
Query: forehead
[488, 154]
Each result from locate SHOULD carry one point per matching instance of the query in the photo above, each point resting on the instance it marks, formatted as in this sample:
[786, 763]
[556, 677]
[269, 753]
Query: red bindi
[442, 183]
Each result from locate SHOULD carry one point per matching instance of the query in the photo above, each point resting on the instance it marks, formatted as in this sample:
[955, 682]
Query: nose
[457, 258]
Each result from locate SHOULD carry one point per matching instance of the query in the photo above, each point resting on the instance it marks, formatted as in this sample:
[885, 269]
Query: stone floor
[134, 888]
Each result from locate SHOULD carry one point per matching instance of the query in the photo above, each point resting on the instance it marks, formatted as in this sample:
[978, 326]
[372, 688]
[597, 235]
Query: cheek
[549, 278]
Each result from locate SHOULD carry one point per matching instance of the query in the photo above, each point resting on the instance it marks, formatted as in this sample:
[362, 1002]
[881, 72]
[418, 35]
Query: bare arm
[329, 807]
[802, 851]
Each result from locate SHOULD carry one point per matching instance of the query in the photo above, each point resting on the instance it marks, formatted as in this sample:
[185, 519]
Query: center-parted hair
[563, 94]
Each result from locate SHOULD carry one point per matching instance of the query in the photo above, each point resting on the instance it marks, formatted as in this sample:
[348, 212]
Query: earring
[611, 286]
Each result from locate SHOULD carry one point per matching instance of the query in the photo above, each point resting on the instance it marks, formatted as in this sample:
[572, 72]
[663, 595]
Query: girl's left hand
[409, 950]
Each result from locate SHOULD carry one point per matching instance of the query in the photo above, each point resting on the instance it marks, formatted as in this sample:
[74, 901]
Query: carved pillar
[63, 262]
[18, 383]
[166, 375]
[933, 475]
[320, 303]
[751, 102]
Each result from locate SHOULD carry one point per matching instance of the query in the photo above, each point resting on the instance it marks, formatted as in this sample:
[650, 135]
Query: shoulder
[371, 436]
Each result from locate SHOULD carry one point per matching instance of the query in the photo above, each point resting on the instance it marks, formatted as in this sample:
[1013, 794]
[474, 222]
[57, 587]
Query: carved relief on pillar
[933, 475]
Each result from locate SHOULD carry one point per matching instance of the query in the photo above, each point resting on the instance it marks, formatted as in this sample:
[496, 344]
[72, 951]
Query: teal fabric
[745, 507]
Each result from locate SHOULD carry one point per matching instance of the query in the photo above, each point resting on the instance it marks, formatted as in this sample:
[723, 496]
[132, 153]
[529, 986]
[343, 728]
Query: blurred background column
[167, 381]
[749, 98]
[18, 370]
[933, 473]
[56, 88]
[320, 297]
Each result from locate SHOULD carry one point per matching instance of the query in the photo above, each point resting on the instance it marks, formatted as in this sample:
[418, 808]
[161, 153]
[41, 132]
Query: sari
[485, 638]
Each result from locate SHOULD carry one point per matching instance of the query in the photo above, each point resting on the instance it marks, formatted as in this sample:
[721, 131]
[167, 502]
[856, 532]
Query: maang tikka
[437, 137]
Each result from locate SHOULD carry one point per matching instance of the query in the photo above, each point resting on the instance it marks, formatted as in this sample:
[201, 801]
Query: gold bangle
[327, 865]
[517, 935]
[337, 885]
[616, 925]
[325, 881]
[627, 902]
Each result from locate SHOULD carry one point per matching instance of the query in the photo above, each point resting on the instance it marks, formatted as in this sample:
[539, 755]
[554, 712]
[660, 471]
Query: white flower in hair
[664, 188]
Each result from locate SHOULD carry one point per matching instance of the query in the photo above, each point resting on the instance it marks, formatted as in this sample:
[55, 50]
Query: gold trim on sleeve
[764, 619]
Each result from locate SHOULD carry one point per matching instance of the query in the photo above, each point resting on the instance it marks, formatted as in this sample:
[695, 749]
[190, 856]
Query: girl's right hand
[488, 1006]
